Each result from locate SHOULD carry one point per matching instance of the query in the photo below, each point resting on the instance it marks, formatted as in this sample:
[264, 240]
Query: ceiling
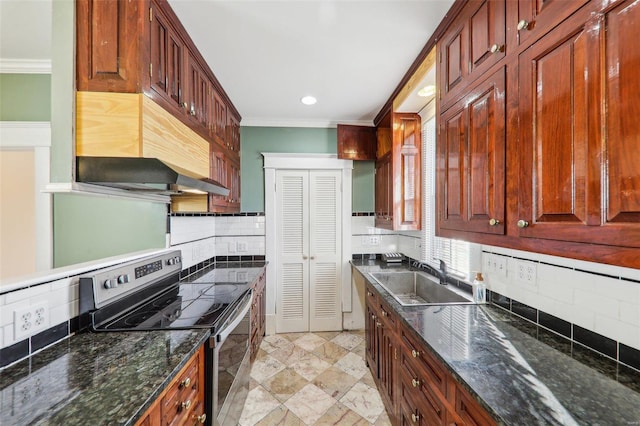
[349, 54]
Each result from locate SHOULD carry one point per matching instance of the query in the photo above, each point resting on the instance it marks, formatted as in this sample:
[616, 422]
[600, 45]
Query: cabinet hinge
[150, 70]
[150, 14]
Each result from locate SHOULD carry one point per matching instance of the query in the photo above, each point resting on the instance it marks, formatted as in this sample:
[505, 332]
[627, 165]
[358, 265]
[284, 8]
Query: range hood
[145, 175]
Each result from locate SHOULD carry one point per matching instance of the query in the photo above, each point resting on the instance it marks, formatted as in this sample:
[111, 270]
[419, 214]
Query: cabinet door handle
[494, 222]
[305, 257]
[185, 383]
[522, 223]
[415, 417]
[369, 293]
[378, 324]
[373, 316]
[384, 313]
[523, 25]
[415, 353]
[200, 419]
[415, 382]
[186, 404]
[496, 48]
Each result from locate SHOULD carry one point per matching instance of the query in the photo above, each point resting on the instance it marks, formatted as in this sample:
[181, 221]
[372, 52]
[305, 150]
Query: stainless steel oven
[147, 294]
[230, 357]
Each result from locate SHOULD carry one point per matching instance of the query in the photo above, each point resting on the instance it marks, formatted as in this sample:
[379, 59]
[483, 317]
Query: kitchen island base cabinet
[182, 401]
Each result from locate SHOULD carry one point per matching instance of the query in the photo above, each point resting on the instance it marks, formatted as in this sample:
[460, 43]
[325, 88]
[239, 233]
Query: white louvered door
[309, 251]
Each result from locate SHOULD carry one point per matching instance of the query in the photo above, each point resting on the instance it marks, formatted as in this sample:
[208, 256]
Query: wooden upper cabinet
[407, 171]
[470, 163]
[167, 55]
[398, 180]
[356, 142]
[220, 115]
[108, 54]
[474, 42]
[233, 135]
[579, 178]
[537, 17]
[199, 94]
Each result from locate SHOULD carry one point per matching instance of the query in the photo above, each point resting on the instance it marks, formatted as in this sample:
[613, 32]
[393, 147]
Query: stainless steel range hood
[144, 175]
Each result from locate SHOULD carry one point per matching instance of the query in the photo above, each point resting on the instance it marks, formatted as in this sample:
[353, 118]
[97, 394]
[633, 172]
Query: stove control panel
[105, 286]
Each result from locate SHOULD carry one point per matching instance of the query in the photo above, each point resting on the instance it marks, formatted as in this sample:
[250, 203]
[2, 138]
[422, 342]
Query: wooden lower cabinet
[258, 311]
[415, 387]
[182, 401]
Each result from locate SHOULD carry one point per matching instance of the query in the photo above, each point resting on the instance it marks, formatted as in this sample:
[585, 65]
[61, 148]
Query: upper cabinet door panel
[406, 167]
[487, 32]
[622, 88]
[560, 138]
[166, 58]
[471, 160]
[475, 41]
[107, 54]
[536, 17]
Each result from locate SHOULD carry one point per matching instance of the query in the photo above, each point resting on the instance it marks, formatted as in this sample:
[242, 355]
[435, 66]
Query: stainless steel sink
[412, 288]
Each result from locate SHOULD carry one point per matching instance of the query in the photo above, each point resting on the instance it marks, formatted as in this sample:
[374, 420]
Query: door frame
[274, 161]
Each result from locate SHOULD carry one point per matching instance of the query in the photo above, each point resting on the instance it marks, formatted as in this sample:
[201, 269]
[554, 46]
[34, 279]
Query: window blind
[456, 254]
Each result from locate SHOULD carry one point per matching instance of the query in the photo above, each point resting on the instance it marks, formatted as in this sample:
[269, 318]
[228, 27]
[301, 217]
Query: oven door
[231, 366]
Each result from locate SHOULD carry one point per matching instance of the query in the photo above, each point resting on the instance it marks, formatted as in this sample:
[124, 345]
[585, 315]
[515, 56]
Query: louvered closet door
[309, 252]
[292, 223]
[324, 248]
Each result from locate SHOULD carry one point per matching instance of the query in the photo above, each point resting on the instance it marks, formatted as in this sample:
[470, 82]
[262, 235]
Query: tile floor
[313, 379]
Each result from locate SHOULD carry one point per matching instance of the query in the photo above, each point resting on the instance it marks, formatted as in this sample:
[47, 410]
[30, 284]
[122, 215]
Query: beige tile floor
[313, 379]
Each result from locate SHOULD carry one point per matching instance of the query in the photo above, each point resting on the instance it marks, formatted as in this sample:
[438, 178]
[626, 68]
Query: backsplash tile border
[197, 214]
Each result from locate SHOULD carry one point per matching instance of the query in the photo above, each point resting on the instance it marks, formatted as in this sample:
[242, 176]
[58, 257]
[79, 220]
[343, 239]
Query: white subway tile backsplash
[617, 330]
[63, 312]
[188, 228]
[28, 293]
[597, 303]
[7, 335]
[630, 313]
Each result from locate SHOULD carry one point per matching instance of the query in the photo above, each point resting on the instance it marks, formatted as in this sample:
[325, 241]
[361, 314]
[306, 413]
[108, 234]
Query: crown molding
[323, 124]
[25, 66]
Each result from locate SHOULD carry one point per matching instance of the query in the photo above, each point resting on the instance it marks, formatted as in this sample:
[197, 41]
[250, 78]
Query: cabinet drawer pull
[384, 313]
[494, 222]
[373, 316]
[185, 383]
[415, 353]
[496, 48]
[415, 417]
[415, 382]
[378, 324]
[523, 25]
[201, 419]
[522, 223]
[369, 293]
[186, 404]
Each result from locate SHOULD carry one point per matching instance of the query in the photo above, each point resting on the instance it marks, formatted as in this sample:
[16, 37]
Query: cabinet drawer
[414, 386]
[415, 354]
[470, 411]
[371, 296]
[183, 396]
[387, 316]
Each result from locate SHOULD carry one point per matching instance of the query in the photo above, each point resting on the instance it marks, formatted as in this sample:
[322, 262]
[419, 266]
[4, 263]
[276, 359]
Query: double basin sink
[414, 288]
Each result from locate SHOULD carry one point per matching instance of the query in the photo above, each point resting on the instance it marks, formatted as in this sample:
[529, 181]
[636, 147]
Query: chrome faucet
[442, 273]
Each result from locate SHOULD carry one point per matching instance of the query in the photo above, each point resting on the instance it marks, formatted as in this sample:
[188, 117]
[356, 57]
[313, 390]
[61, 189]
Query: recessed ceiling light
[427, 91]
[308, 100]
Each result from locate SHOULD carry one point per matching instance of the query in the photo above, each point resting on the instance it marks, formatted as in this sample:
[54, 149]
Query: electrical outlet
[500, 265]
[30, 320]
[242, 247]
[526, 272]
[374, 240]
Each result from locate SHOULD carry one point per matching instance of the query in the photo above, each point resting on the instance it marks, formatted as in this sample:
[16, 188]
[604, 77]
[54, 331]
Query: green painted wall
[25, 97]
[256, 140]
[88, 228]
[363, 186]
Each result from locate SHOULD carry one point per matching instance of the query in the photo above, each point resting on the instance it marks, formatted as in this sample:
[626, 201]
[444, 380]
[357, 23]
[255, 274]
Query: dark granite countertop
[107, 378]
[521, 373]
[94, 378]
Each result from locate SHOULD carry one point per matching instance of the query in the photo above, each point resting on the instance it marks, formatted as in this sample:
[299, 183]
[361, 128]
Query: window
[456, 254]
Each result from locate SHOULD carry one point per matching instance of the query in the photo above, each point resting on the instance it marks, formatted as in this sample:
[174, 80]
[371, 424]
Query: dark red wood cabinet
[356, 142]
[141, 47]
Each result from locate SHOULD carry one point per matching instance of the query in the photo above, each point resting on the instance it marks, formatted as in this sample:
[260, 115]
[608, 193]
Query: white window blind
[456, 254]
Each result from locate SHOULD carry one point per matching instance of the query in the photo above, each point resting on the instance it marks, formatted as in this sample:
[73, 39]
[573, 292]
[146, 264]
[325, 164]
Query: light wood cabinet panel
[471, 160]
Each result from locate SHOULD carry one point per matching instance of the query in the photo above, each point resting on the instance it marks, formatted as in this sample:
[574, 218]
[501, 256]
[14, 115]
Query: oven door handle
[239, 314]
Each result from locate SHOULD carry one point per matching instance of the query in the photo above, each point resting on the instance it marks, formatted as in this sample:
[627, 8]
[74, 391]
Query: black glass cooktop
[181, 306]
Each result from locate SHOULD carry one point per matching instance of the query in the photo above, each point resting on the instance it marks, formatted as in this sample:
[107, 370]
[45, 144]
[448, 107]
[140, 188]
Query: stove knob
[123, 279]
[171, 261]
[178, 260]
[109, 284]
